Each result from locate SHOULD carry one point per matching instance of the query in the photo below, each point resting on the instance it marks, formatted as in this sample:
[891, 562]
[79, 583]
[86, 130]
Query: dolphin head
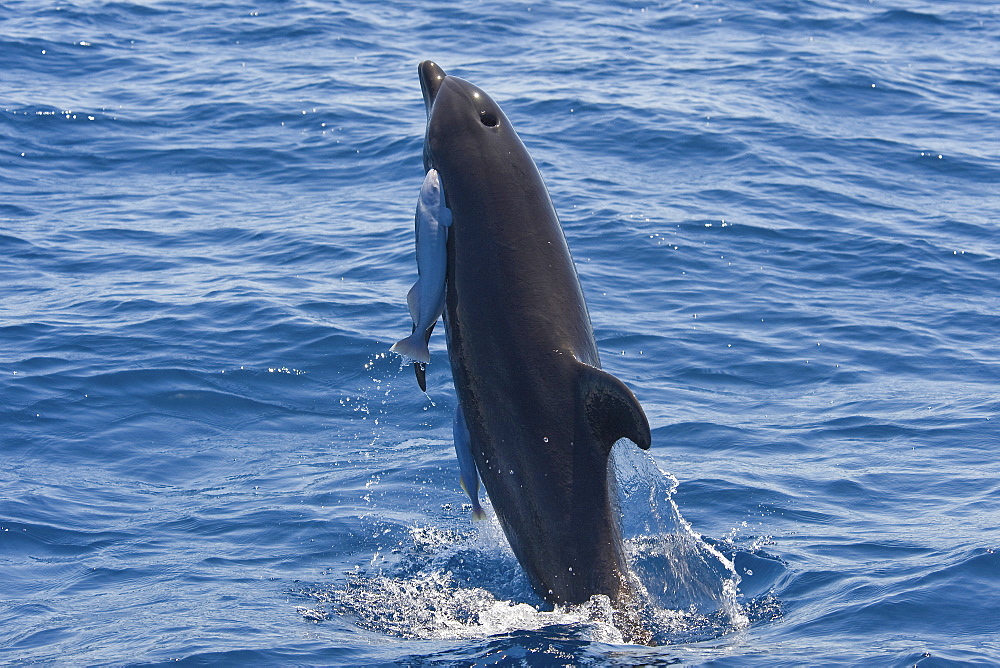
[462, 120]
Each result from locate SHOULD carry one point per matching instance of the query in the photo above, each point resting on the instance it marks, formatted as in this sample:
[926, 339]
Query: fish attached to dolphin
[426, 298]
[537, 416]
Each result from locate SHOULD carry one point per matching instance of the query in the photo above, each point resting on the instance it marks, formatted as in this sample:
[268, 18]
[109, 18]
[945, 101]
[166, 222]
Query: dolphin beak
[431, 78]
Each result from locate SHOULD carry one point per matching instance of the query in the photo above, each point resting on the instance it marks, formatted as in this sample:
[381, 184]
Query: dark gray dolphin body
[541, 414]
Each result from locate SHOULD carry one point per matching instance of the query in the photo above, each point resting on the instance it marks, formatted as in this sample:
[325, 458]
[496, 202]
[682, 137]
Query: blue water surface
[785, 219]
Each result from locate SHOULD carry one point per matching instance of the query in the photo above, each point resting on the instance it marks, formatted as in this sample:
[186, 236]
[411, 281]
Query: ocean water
[785, 219]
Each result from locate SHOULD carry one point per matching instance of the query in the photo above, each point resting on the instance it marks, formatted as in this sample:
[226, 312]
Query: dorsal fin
[612, 410]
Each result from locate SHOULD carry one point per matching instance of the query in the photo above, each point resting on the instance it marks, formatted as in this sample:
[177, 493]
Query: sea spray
[689, 587]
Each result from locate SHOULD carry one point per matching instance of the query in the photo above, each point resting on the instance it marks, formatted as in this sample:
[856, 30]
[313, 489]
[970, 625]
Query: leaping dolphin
[540, 413]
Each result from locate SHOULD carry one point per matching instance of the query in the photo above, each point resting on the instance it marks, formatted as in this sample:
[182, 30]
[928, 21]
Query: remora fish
[426, 297]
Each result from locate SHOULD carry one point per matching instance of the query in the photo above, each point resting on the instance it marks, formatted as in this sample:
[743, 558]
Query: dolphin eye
[488, 119]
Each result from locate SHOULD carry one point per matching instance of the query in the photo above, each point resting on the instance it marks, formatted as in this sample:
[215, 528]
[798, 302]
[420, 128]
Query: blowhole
[488, 119]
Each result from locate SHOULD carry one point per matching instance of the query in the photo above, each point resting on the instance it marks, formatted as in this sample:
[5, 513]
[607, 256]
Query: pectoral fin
[468, 474]
[612, 410]
[444, 214]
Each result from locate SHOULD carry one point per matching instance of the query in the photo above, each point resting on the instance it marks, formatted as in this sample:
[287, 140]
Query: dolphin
[540, 413]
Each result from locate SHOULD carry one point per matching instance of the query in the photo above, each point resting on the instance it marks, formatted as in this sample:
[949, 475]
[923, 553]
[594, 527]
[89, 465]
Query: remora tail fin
[419, 368]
